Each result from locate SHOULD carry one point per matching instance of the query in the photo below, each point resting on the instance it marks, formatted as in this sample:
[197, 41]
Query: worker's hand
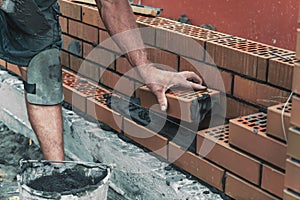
[159, 81]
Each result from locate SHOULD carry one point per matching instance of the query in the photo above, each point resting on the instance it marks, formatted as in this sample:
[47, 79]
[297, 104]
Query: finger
[192, 76]
[197, 86]
[162, 99]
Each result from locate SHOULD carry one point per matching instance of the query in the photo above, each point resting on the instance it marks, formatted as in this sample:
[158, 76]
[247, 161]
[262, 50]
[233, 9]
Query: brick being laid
[239, 189]
[183, 104]
[292, 177]
[274, 122]
[213, 144]
[249, 134]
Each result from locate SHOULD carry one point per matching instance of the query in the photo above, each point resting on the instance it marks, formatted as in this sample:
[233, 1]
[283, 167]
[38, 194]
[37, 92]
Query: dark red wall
[272, 22]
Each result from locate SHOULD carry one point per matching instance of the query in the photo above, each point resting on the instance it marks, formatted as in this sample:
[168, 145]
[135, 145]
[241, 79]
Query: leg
[47, 123]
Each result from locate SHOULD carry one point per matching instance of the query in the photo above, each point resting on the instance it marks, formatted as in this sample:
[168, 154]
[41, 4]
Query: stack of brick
[292, 178]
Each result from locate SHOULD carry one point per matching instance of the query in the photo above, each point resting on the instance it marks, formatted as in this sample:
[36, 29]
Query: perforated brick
[216, 141]
[293, 148]
[281, 71]
[249, 134]
[274, 124]
[76, 90]
[243, 56]
[182, 103]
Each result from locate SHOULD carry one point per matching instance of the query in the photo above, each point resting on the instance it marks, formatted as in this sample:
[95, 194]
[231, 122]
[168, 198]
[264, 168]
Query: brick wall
[256, 76]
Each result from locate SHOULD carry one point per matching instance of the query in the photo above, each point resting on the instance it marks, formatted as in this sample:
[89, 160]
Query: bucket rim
[57, 195]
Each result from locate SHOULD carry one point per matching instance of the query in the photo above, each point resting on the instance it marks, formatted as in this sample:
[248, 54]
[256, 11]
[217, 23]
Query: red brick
[274, 124]
[116, 82]
[171, 41]
[241, 190]
[70, 9]
[77, 90]
[75, 63]
[65, 59]
[296, 79]
[99, 110]
[75, 98]
[293, 148]
[292, 177]
[90, 70]
[124, 67]
[145, 137]
[83, 31]
[179, 101]
[281, 71]
[236, 109]
[215, 141]
[288, 195]
[91, 16]
[13, 68]
[272, 181]
[295, 116]
[63, 24]
[195, 165]
[249, 134]
[162, 57]
[3, 63]
[107, 42]
[213, 77]
[72, 45]
[87, 48]
[147, 33]
[258, 93]
[102, 57]
[243, 56]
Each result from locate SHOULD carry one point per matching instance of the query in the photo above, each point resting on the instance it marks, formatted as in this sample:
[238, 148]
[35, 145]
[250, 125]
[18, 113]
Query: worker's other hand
[159, 81]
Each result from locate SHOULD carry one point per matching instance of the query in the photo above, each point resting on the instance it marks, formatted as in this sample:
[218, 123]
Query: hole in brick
[226, 141]
[263, 130]
[240, 120]
[251, 125]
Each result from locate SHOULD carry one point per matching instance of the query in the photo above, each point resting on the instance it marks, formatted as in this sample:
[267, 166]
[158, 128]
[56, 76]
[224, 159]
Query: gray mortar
[136, 173]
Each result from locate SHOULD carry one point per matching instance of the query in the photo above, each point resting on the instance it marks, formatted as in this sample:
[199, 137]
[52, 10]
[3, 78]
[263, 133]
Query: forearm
[118, 18]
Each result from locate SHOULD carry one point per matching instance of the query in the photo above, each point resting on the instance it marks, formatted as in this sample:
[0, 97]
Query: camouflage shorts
[28, 27]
